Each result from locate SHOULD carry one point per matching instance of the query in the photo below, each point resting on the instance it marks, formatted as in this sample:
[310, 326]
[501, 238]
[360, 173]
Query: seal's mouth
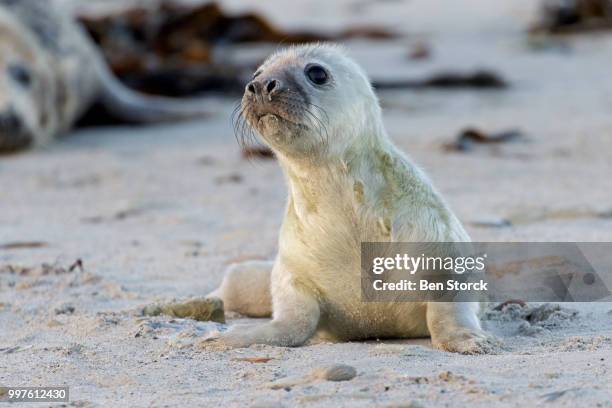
[268, 116]
[276, 118]
[283, 121]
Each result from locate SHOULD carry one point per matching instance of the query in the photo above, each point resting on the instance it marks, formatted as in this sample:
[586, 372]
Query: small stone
[253, 359]
[406, 404]
[491, 223]
[54, 323]
[233, 178]
[449, 376]
[503, 305]
[419, 380]
[419, 51]
[65, 309]
[552, 375]
[266, 404]
[336, 372]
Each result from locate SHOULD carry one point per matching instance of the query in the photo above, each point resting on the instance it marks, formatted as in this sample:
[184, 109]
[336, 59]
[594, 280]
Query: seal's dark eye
[316, 74]
[20, 74]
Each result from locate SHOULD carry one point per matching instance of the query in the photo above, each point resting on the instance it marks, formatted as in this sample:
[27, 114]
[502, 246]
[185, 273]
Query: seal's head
[308, 101]
[23, 88]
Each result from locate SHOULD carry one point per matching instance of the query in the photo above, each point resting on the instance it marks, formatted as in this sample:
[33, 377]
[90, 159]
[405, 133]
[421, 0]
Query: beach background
[157, 213]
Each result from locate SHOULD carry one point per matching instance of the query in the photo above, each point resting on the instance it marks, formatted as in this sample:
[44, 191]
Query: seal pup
[51, 73]
[347, 184]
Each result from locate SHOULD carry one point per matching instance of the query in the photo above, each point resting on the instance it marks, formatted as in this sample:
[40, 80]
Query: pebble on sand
[336, 372]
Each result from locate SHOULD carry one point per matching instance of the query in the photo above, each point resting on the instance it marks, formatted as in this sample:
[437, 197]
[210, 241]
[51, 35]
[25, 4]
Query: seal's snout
[10, 122]
[264, 89]
[268, 99]
[13, 134]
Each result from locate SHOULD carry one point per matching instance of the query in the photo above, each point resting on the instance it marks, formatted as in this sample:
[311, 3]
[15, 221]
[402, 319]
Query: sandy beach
[157, 213]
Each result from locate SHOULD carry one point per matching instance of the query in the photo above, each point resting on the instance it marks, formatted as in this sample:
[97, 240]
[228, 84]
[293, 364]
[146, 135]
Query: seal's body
[50, 73]
[348, 184]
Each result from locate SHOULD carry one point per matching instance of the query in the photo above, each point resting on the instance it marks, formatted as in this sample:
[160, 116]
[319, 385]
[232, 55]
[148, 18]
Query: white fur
[359, 188]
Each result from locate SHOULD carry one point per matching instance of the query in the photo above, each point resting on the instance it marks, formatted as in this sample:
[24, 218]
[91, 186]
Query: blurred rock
[491, 223]
[505, 304]
[568, 16]
[481, 79]
[23, 245]
[66, 308]
[419, 51]
[466, 140]
[372, 33]
[167, 47]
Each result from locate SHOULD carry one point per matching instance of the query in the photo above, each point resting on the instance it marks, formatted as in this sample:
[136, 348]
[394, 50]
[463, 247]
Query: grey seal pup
[348, 184]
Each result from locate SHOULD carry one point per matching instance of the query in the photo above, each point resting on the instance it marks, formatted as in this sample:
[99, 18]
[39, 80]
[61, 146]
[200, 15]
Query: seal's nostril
[9, 121]
[271, 85]
[251, 88]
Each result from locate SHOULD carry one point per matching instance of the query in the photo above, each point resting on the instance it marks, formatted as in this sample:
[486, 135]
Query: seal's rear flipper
[118, 104]
[128, 106]
[106, 113]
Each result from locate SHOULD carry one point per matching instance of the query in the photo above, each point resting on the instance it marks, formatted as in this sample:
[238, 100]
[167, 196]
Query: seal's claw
[227, 341]
[470, 342]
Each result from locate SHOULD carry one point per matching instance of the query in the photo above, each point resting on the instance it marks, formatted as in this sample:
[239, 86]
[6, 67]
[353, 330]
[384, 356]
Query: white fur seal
[348, 184]
[50, 73]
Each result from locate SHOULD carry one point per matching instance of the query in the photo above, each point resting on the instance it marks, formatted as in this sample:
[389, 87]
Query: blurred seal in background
[51, 73]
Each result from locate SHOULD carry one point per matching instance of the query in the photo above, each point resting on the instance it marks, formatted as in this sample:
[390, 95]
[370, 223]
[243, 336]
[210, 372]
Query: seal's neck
[331, 179]
[347, 148]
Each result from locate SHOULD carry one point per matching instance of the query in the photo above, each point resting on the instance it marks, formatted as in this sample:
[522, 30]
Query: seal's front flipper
[246, 289]
[296, 317]
[455, 327]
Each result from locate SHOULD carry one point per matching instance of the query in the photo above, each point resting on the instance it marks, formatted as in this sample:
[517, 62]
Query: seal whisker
[242, 130]
[246, 130]
[322, 128]
[317, 107]
[238, 121]
[318, 125]
[235, 118]
[316, 121]
[320, 109]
